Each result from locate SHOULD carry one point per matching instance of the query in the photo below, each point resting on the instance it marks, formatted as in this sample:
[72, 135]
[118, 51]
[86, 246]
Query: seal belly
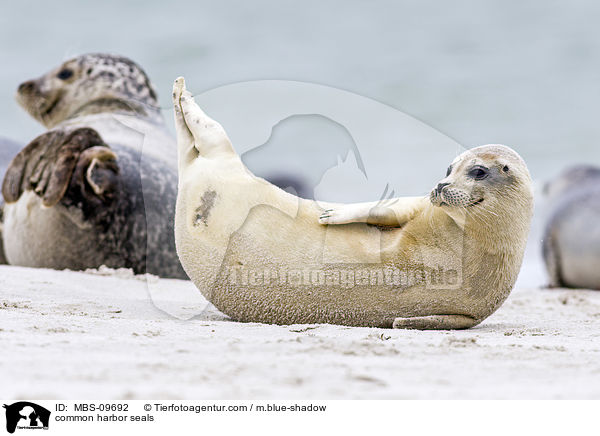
[374, 277]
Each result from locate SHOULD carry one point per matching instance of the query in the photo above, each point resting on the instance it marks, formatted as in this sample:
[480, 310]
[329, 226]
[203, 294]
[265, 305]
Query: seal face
[260, 254]
[83, 194]
[87, 84]
[570, 245]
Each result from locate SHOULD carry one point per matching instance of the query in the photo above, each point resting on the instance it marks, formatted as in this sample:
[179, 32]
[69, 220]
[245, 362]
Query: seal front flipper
[435, 322]
[394, 212]
[360, 213]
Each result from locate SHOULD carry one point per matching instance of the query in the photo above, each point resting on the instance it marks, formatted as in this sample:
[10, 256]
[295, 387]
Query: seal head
[488, 186]
[573, 178]
[89, 84]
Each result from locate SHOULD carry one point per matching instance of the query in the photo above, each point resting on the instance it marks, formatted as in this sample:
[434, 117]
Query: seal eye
[449, 171]
[505, 169]
[65, 74]
[478, 173]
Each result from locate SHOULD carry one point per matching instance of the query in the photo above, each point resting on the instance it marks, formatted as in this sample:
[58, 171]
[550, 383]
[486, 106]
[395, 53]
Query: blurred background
[524, 74]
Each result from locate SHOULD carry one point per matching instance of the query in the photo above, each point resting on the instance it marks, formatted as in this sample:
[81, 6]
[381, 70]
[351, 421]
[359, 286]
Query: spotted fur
[88, 84]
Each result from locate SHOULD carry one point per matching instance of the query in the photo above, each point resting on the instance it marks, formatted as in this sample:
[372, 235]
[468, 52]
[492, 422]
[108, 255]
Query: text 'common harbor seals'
[99, 187]
[260, 254]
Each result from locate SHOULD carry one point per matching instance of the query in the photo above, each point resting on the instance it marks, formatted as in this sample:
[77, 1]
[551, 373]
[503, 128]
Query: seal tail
[46, 165]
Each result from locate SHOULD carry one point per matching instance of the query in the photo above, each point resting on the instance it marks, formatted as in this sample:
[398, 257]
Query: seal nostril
[26, 86]
[441, 186]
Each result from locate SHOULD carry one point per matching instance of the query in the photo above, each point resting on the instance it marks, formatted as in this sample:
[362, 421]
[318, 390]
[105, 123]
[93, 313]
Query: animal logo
[26, 415]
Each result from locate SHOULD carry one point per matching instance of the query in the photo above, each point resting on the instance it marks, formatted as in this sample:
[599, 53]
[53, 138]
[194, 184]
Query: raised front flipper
[394, 212]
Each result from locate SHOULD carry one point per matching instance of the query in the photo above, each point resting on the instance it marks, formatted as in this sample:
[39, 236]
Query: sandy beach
[109, 335]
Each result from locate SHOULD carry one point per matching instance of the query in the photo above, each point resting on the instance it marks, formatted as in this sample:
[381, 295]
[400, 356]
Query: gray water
[524, 74]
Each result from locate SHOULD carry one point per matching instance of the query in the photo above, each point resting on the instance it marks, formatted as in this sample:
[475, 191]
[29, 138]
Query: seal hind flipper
[25, 166]
[436, 322]
[46, 165]
[94, 180]
[100, 167]
[197, 133]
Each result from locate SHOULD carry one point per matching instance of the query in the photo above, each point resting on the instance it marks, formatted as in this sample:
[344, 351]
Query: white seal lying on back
[257, 252]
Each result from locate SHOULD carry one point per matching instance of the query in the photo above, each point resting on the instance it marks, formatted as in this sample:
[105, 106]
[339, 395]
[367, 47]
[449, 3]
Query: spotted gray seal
[99, 187]
[571, 241]
[259, 254]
